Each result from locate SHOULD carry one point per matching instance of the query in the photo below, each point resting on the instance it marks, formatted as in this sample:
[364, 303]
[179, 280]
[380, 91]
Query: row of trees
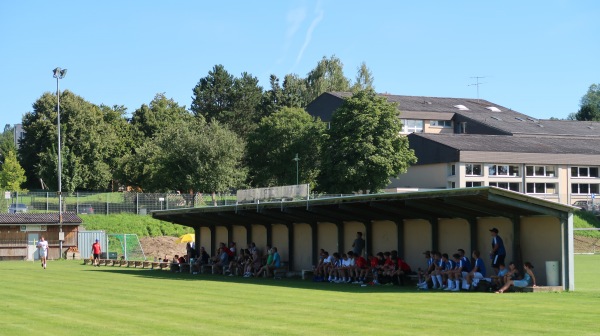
[235, 134]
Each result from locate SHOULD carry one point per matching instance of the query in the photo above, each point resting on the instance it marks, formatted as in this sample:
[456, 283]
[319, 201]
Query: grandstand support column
[248, 232]
[568, 261]
[213, 239]
[229, 233]
[369, 238]
[290, 227]
[435, 234]
[516, 226]
[400, 237]
[340, 236]
[315, 241]
[197, 236]
[269, 229]
[473, 233]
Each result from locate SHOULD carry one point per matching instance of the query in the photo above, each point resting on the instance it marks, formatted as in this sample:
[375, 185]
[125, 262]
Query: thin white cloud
[319, 16]
[295, 17]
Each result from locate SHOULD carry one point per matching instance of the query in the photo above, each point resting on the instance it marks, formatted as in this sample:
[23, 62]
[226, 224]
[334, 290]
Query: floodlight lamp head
[59, 73]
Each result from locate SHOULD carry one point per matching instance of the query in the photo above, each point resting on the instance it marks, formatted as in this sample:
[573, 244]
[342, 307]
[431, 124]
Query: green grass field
[71, 299]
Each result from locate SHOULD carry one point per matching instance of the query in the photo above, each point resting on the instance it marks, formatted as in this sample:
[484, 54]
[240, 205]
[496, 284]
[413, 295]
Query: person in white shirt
[42, 246]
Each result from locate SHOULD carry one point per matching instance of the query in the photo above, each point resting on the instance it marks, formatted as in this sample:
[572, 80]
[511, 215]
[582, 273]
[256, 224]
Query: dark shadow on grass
[295, 282]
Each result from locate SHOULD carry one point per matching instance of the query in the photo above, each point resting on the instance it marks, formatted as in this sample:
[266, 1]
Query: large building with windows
[471, 143]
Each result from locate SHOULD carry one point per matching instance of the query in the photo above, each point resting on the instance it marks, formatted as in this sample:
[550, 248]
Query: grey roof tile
[39, 218]
[521, 144]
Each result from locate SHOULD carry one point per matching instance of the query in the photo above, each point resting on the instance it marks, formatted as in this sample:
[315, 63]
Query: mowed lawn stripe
[71, 299]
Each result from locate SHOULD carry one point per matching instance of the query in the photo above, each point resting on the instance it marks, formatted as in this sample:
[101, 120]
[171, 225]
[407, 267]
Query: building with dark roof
[462, 142]
[20, 233]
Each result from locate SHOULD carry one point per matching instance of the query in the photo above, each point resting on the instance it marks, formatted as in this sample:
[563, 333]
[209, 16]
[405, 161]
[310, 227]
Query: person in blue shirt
[498, 252]
[466, 261]
[528, 279]
[478, 271]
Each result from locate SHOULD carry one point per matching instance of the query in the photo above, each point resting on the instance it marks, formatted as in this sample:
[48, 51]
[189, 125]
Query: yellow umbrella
[186, 238]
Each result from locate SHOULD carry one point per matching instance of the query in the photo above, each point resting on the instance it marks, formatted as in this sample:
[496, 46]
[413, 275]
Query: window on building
[451, 170]
[503, 170]
[412, 126]
[451, 185]
[585, 188]
[440, 123]
[514, 186]
[473, 169]
[584, 171]
[540, 171]
[541, 188]
[471, 184]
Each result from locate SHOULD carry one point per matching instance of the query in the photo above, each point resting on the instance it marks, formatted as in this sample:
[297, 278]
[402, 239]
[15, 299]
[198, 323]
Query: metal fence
[109, 203]
[123, 202]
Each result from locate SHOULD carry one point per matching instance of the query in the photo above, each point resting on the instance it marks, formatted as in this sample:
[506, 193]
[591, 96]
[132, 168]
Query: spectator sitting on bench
[202, 260]
[175, 264]
[275, 262]
[254, 264]
[335, 264]
[528, 279]
[498, 280]
[377, 263]
[403, 269]
[449, 266]
[424, 274]
[324, 260]
[361, 269]
[222, 260]
[477, 273]
[455, 273]
[343, 269]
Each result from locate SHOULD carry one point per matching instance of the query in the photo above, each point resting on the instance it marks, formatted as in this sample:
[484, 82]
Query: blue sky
[537, 57]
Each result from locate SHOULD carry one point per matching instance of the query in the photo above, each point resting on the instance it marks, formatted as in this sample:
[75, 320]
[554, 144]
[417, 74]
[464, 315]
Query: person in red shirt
[361, 268]
[96, 250]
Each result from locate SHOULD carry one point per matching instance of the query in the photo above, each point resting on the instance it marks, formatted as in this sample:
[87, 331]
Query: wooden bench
[130, 263]
[281, 271]
[87, 261]
[123, 262]
[147, 264]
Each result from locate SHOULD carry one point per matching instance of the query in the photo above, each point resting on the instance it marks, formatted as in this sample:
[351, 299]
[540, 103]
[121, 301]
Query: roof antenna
[477, 83]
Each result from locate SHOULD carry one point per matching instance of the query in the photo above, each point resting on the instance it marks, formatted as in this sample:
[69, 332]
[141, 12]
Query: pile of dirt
[161, 247]
[586, 244]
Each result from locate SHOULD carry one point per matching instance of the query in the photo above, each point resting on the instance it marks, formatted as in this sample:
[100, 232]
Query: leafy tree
[151, 119]
[212, 95]
[12, 175]
[364, 78]
[88, 143]
[272, 99]
[295, 92]
[590, 105]
[192, 156]
[327, 76]
[7, 142]
[277, 140]
[245, 112]
[365, 147]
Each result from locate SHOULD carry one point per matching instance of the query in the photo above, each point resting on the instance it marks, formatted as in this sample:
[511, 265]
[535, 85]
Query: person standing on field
[42, 246]
[96, 250]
